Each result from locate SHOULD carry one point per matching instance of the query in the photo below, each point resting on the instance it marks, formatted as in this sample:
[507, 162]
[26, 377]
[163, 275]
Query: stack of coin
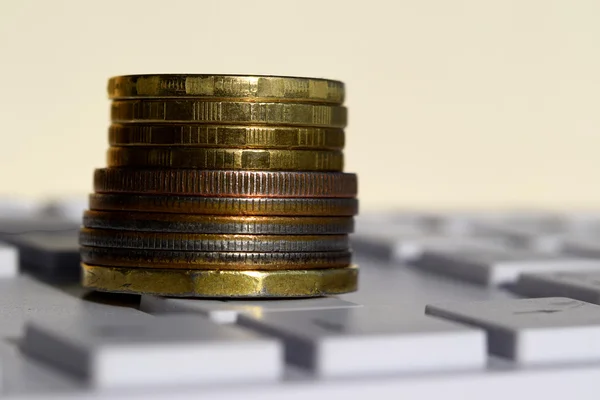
[222, 186]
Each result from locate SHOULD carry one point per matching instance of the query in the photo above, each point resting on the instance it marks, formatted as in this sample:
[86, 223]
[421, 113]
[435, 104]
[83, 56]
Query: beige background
[452, 103]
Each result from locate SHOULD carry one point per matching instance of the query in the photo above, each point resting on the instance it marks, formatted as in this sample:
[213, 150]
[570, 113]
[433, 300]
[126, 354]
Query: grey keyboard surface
[451, 305]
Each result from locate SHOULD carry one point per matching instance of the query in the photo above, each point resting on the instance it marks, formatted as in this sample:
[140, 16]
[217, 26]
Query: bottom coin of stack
[147, 244]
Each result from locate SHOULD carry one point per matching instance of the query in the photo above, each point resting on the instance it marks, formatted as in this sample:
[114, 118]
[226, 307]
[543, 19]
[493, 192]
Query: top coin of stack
[222, 186]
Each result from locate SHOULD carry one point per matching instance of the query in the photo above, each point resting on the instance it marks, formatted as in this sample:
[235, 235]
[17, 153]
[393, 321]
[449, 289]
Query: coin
[191, 223]
[247, 87]
[140, 258]
[207, 158]
[224, 205]
[212, 242]
[226, 183]
[219, 283]
[228, 112]
[226, 136]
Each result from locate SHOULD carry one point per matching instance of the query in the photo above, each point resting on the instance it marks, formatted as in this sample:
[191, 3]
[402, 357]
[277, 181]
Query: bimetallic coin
[221, 283]
[235, 159]
[224, 136]
[226, 183]
[139, 258]
[240, 87]
[223, 205]
[191, 223]
[212, 242]
[217, 112]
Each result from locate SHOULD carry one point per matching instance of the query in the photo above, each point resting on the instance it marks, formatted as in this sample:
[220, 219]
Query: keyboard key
[489, 265]
[411, 250]
[70, 208]
[532, 331]
[51, 256]
[471, 222]
[15, 207]
[582, 246]
[22, 298]
[379, 245]
[539, 235]
[363, 341]
[14, 225]
[23, 375]
[9, 261]
[227, 311]
[416, 222]
[410, 247]
[584, 286]
[170, 351]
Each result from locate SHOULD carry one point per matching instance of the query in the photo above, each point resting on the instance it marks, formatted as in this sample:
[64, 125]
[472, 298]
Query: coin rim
[169, 259]
[333, 116]
[222, 284]
[240, 206]
[91, 237]
[117, 131]
[226, 183]
[214, 158]
[132, 81]
[193, 223]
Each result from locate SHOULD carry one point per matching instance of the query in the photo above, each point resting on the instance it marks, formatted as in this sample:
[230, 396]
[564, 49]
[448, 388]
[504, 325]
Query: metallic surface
[226, 183]
[222, 186]
[226, 136]
[190, 223]
[140, 258]
[199, 111]
[228, 284]
[210, 158]
[238, 87]
[223, 205]
[212, 242]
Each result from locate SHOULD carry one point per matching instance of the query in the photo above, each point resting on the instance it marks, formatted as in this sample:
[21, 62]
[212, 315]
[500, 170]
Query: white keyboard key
[541, 236]
[22, 375]
[393, 221]
[532, 331]
[174, 350]
[582, 246]
[227, 311]
[584, 286]
[382, 241]
[488, 265]
[15, 207]
[471, 222]
[12, 225]
[51, 256]
[410, 247]
[22, 298]
[363, 341]
[9, 260]
[70, 208]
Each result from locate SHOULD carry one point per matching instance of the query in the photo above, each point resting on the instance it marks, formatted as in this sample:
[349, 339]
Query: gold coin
[212, 242]
[216, 112]
[227, 136]
[182, 157]
[223, 205]
[272, 184]
[221, 283]
[240, 87]
[142, 258]
[191, 223]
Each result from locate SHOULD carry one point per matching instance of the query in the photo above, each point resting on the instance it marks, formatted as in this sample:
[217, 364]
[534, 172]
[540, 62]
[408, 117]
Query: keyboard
[452, 305]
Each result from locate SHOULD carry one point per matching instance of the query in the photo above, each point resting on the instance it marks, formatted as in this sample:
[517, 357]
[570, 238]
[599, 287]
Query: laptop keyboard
[454, 304]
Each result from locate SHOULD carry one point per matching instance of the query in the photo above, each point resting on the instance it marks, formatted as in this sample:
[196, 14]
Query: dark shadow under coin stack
[222, 186]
